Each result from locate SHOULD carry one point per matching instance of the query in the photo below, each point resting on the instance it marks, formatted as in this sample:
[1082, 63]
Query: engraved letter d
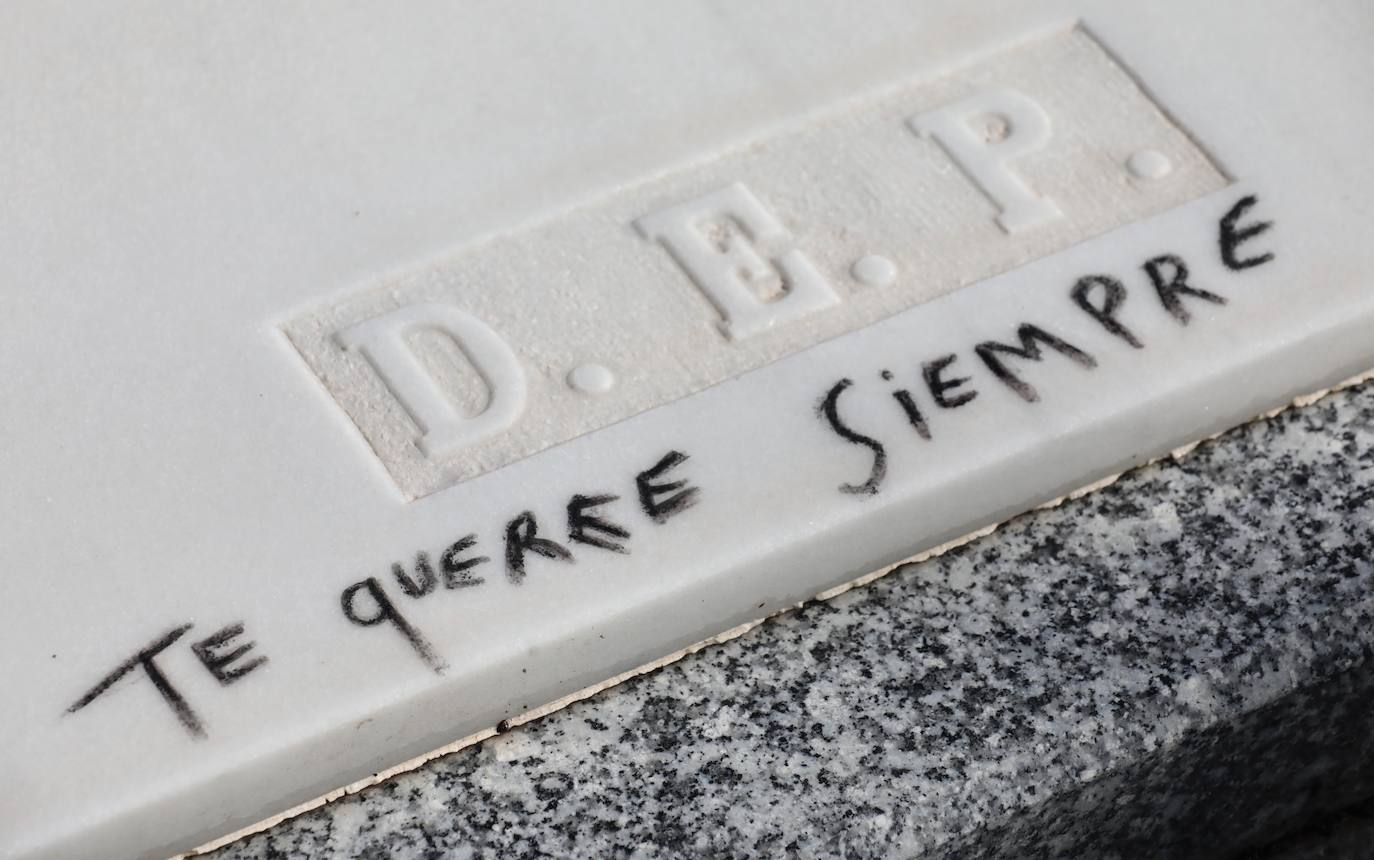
[444, 431]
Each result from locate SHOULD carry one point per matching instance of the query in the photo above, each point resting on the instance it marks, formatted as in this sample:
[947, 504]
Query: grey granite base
[1177, 665]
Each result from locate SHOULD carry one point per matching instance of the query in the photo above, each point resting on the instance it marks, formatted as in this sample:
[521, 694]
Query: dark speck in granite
[1176, 665]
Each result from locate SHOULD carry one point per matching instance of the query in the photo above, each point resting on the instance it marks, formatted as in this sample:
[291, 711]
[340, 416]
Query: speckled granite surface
[1177, 665]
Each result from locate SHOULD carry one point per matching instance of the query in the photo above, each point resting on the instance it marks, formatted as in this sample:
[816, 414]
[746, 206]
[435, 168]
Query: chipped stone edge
[587, 692]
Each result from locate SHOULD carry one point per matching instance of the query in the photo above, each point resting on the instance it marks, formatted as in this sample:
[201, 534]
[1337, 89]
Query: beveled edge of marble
[539, 711]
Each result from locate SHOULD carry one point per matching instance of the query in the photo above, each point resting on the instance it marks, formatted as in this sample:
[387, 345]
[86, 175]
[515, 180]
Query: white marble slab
[199, 206]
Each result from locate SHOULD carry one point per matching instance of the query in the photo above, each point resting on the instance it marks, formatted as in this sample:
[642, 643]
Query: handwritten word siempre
[1100, 296]
[660, 495]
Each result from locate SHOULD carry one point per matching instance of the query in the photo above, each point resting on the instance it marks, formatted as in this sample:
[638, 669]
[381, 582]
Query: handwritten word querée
[661, 495]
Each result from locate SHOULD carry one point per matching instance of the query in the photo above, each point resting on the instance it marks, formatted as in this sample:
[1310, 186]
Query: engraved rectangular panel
[844, 217]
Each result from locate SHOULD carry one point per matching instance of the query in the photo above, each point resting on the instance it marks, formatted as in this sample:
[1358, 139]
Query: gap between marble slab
[739, 630]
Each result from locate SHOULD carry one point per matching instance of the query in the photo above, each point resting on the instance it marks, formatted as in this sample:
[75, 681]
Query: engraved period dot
[874, 270]
[1149, 164]
[591, 379]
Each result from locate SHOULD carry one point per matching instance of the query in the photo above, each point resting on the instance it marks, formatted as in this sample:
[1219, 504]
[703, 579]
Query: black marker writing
[145, 659]
[1100, 296]
[522, 536]
[218, 654]
[424, 580]
[212, 655]
[829, 409]
[939, 386]
[1230, 237]
[650, 489]
[1175, 284]
[383, 610]
[458, 570]
[1030, 337]
[912, 412]
[1113, 297]
[662, 492]
[588, 528]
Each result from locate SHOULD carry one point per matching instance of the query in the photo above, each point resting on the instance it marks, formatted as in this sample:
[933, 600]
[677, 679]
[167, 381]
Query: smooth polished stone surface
[1175, 665]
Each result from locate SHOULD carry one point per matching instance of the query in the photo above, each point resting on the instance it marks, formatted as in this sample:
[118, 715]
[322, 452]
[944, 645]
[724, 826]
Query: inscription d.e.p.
[718, 240]
[561, 328]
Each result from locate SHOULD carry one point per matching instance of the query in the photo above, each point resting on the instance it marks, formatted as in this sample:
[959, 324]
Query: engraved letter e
[704, 236]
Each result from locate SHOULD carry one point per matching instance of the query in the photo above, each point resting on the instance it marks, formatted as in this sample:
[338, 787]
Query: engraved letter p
[982, 134]
[385, 342]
